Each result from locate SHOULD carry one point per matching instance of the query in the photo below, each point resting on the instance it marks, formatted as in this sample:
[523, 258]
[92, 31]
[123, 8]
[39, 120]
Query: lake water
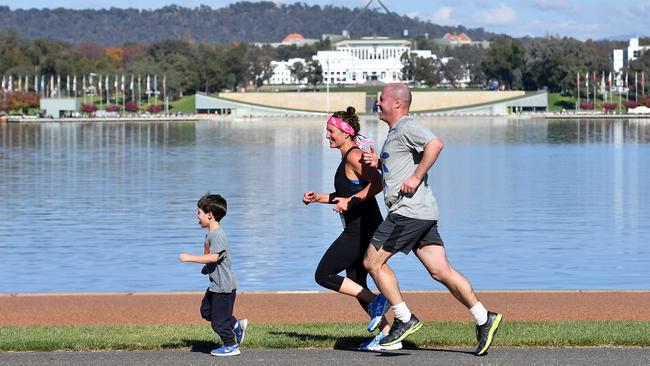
[525, 204]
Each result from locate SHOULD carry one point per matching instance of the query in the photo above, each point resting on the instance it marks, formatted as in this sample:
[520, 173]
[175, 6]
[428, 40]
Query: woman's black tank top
[346, 188]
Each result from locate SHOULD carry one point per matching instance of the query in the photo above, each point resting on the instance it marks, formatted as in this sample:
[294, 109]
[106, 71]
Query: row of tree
[531, 63]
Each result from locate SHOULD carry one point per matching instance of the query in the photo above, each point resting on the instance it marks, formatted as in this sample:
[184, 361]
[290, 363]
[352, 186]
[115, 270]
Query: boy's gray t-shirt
[222, 278]
[400, 156]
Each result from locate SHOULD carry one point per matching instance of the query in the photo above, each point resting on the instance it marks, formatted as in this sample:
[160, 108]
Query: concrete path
[249, 357]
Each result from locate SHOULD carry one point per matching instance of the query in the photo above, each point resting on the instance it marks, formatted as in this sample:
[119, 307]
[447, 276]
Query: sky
[581, 19]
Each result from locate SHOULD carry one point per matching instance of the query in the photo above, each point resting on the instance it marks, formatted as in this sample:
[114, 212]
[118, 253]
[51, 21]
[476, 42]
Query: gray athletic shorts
[401, 234]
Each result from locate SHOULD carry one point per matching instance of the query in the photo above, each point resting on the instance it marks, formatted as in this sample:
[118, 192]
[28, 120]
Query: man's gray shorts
[401, 234]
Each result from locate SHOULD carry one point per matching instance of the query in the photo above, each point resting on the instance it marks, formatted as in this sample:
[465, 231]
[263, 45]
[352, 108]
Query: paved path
[274, 308]
[497, 356]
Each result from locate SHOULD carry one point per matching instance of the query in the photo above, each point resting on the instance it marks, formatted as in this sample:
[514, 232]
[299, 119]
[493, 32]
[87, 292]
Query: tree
[314, 73]
[298, 72]
[504, 60]
[453, 71]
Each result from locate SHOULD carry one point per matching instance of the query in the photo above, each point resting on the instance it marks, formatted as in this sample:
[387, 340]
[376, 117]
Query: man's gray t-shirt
[222, 278]
[400, 157]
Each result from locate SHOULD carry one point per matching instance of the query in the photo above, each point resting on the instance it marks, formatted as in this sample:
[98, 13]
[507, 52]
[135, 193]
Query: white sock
[402, 312]
[479, 313]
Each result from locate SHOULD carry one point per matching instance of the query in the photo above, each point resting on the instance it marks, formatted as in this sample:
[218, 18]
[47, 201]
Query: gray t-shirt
[400, 157]
[222, 278]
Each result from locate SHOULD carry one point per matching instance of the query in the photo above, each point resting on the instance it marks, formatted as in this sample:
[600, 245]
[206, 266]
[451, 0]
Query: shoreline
[174, 308]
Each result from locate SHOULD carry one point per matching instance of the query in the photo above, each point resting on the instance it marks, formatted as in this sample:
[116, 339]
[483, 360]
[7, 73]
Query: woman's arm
[362, 172]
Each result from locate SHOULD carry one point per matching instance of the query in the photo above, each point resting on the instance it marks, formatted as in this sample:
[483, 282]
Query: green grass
[557, 102]
[185, 104]
[201, 337]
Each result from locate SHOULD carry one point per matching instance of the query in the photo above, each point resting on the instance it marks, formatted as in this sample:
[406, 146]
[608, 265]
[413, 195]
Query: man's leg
[376, 264]
[434, 259]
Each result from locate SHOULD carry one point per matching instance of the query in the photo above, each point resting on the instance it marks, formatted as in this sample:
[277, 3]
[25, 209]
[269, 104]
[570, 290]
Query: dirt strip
[267, 307]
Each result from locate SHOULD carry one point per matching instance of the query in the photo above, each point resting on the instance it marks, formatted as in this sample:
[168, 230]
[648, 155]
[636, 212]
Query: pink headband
[361, 141]
[341, 125]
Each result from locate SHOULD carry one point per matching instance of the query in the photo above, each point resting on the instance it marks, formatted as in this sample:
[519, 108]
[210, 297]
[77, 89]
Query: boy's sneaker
[485, 333]
[374, 345]
[376, 310]
[226, 351]
[240, 330]
[399, 331]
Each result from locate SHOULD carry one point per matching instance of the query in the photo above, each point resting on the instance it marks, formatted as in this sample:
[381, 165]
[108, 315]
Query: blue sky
[581, 19]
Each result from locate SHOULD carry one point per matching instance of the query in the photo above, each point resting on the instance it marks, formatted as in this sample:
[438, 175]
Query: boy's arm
[205, 258]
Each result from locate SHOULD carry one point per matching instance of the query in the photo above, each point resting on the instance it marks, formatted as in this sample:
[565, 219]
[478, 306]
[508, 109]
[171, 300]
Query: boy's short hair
[215, 204]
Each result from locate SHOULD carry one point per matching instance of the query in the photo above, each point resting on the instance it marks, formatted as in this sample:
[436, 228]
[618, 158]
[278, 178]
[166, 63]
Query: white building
[622, 57]
[368, 59]
[282, 72]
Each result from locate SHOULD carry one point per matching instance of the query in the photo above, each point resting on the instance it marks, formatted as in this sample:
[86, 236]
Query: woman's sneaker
[240, 330]
[374, 345]
[226, 351]
[376, 310]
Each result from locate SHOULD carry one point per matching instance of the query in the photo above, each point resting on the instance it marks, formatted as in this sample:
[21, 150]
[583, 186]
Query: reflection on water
[525, 204]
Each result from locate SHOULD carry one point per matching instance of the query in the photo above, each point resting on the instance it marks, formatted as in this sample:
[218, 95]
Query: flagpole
[578, 86]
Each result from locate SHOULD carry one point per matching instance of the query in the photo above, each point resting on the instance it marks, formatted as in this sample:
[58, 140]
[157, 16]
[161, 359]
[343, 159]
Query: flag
[155, 84]
[609, 81]
[99, 87]
[42, 84]
[602, 84]
[643, 81]
[106, 86]
[51, 84]
[578, 80]
[587, 81]
[625, 80]
[74, 85]
[20, 83]
[131, 85]
[4, 82]
[58, 85]
[148, 88]
[10, 87]
[636, 80]
[83, 85]
[164, 83]
[26, 83]
[36, 83]
[122, 83]
[67, 83]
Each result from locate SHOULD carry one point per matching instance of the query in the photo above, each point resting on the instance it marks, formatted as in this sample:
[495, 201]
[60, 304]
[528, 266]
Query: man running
[408, 153]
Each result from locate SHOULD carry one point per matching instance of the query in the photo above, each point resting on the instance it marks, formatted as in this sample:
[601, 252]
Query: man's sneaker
[485, 333]
[399, 331]
[374, 345]
[376, 310]
[226, 351]
[240, 330]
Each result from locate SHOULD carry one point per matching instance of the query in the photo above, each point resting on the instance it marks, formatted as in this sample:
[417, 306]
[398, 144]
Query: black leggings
[346, 253]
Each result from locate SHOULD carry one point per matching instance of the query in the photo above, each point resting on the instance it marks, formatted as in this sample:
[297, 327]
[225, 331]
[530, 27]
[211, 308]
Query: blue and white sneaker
[240, 330]
[374, 345]
[226, 351]
[376, 310]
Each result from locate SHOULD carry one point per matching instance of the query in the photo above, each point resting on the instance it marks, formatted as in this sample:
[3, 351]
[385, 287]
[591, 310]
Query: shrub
[113, 108]
[88, 108]
[587, 105]
[154, 108]
[630, 104]
[132, 107]
[609, 106]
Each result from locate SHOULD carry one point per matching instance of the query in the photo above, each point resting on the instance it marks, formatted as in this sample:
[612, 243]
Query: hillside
[243, 22]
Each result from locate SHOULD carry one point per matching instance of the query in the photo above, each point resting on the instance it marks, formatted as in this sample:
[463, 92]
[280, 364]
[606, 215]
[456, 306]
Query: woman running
[355, 187]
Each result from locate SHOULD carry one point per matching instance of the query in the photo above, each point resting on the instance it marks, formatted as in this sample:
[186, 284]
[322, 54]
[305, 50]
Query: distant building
[282, 72]
[291, 39]
[620, 58]
[369, 59]
[455, 40]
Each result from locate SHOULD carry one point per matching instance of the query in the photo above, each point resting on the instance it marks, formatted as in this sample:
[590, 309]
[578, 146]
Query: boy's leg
[223, 322]
[206, 306]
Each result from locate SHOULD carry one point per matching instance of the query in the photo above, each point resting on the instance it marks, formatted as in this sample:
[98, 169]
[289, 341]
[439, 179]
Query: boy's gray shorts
[401, 234]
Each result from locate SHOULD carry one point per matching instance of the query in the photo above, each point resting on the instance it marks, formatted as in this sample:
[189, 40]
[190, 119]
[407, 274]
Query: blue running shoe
[240, 330]
[374, 345]
[376, 310]
[226, 351]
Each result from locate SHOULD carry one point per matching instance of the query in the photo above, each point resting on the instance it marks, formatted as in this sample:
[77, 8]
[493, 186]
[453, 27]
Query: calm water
[524, 204]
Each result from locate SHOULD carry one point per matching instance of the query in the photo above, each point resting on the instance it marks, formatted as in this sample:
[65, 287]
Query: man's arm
[429, 156]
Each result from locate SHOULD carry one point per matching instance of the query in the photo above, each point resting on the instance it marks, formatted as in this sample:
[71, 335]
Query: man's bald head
[401, 92]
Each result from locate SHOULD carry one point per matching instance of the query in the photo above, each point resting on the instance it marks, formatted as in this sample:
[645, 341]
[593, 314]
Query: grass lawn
[441, 334]
[185, 104]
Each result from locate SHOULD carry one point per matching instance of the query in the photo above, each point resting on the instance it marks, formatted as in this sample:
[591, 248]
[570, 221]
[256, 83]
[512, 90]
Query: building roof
[292, 37]
[373, 41]
[460, 38]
